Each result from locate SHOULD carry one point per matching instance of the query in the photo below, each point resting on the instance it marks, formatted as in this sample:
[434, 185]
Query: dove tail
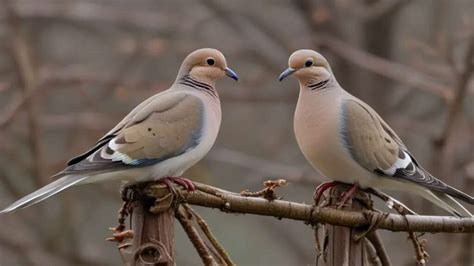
[44, 192]
[446, 202]
[459, 194]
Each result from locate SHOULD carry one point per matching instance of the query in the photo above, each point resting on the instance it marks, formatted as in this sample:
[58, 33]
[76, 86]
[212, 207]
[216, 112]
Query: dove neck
[316, 84]
[187, 74]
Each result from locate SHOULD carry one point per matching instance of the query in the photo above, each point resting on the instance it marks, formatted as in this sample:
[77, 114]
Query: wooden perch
[354, 228]
[208, 196]
[153, 241]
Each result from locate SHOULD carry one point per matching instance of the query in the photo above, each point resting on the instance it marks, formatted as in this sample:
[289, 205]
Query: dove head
[309, 67]
[206, 65]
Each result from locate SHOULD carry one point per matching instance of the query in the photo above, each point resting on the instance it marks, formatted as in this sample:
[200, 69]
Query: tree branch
[376, 242]
[211, 197]
[194, 237]
[207, 231]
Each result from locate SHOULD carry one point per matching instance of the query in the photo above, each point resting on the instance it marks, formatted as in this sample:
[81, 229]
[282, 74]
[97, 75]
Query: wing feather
[376, 147]
[165, 127]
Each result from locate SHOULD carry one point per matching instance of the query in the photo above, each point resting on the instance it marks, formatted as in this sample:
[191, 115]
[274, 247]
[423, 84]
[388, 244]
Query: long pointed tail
[446, 202]
[445, 188]
[44, 192]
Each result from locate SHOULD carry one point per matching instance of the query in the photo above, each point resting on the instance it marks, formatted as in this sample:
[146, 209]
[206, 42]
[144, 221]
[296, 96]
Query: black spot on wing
[401, 154]
[108, 150]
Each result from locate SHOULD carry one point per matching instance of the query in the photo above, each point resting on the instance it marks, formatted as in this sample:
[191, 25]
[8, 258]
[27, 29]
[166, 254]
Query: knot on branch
[374, 218]
[164, 197]
[152, 254]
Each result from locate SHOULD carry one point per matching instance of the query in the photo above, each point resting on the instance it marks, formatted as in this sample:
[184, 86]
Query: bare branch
[232, 202]
[194, 237]
[205, 229]
[376, 242]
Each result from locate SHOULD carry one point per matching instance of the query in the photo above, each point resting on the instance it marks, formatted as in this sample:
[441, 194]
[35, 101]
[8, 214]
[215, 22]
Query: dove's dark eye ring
[308, 63]
[210, 61]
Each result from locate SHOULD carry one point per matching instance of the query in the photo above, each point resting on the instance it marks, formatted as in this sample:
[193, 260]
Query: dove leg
[182, 181]
[318, 192]
[346, 196]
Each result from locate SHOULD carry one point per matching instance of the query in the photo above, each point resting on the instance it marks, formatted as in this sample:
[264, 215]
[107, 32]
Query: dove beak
[231, 73]
[288, 72]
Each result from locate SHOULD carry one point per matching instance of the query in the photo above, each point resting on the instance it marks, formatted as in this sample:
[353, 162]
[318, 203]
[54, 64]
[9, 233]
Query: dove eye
[308, 63]
[210, 61]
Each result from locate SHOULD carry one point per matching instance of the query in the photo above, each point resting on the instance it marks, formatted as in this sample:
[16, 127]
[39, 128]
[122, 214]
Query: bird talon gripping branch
[319, 190]
[182, 181]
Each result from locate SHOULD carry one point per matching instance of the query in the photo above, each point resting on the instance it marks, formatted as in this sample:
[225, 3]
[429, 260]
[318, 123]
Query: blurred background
[70, 70]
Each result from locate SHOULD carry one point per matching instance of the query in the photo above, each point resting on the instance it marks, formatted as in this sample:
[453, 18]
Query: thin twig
[419, 245]
[205, 229]
[391, 202]
[194, 237]
[421, 254]
[268, 192]
[377, 243]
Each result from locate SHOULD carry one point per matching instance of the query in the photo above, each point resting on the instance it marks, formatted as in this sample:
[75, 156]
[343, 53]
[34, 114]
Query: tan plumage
[346, 140]
[165, 131]
[369, 143]
[161, 137]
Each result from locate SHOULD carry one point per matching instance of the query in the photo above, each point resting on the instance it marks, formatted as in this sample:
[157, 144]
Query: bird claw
[347, 196]
[318, 192]
[182, 181]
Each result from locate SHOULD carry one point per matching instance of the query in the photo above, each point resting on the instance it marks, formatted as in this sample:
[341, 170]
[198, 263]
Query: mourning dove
[161, 138]
[347, 141]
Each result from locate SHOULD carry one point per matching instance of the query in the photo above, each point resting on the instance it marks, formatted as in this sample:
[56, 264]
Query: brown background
[87, 63]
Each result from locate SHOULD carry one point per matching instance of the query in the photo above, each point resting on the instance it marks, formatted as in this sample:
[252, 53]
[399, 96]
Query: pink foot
[318, 192]
[182, 181]
[348, 195]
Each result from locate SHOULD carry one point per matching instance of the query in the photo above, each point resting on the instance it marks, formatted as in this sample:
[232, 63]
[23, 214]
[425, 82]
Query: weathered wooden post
[153, 226]
[343, 245]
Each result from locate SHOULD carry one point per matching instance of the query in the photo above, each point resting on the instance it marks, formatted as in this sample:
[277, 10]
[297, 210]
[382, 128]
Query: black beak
[288, 72]
[231, 74]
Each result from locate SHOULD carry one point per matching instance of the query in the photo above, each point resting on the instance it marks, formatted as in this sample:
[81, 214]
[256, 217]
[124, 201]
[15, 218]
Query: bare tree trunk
[153, 242]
